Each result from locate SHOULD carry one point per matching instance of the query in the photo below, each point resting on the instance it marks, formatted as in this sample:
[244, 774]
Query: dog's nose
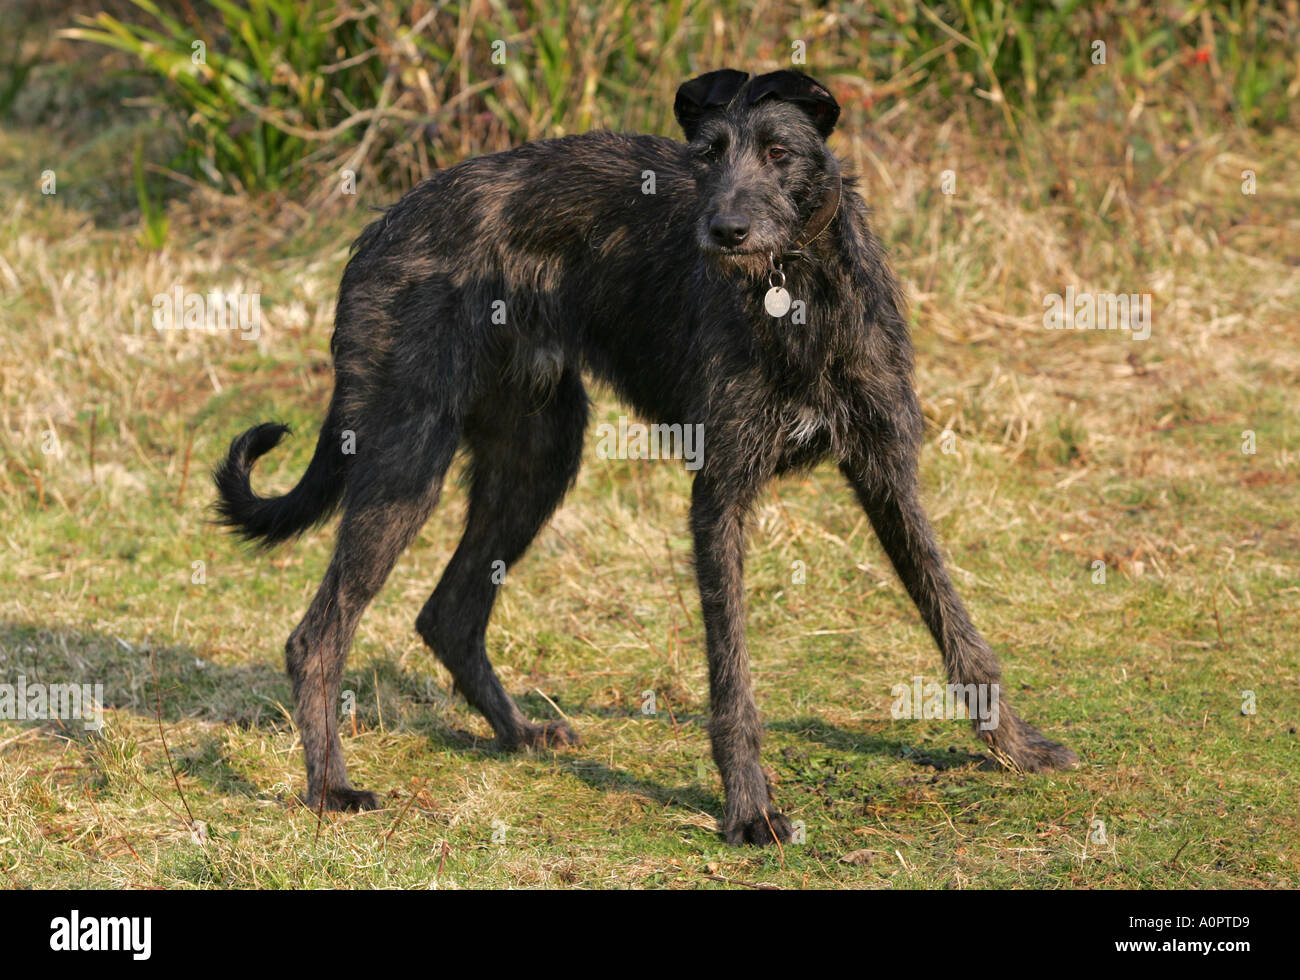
[729, 229]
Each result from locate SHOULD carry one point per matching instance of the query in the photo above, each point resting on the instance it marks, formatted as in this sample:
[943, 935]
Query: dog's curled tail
[270, 520]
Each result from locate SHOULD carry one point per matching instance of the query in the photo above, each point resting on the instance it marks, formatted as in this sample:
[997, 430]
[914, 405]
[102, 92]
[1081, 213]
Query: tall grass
[289, 91]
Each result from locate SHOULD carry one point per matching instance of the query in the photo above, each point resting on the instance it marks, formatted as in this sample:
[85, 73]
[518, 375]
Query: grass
[1070, 448]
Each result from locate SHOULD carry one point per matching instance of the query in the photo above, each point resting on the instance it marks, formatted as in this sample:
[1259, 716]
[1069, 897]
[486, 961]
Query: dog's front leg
[718, 510]
[883, 476]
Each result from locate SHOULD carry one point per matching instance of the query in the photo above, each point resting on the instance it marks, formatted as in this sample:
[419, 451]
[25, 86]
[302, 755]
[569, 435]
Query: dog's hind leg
[524, 458]
[883, 474]
[391, 489]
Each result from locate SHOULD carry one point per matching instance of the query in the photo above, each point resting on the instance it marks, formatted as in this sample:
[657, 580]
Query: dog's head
[758, 148]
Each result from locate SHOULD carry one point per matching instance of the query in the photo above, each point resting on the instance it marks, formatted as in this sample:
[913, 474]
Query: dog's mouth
[731, 251]
[742, 261]
[740, 264]
[743, 252]
[737, 257]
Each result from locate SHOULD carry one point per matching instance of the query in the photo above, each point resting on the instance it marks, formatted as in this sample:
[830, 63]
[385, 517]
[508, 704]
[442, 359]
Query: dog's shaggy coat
[467, 316]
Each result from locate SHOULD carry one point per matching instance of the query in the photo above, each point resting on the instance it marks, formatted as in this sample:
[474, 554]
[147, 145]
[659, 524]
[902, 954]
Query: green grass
[1070, 449]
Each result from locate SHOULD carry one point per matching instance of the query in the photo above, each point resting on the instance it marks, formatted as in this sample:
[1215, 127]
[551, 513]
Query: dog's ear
[700, 96]
[798, 89]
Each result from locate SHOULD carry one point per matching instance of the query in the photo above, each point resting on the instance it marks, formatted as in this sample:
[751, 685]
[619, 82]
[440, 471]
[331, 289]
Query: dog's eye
[713, 151]
[776, 152]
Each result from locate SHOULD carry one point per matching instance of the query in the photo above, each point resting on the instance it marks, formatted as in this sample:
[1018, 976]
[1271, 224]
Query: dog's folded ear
[708, 93]
[798, 89]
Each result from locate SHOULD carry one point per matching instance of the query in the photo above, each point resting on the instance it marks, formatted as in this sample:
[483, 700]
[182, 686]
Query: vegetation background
[1169, 169]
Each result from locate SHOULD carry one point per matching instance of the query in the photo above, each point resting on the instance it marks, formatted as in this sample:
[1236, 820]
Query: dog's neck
[820, 220]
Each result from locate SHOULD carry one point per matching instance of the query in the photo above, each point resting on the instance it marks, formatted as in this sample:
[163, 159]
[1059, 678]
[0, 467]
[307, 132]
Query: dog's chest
[802, 424]
[805, 432]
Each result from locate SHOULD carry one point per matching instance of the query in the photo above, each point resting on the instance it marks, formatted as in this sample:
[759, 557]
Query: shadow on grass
[259, 696]
[184, 686]
[810, 729]
[600, 776]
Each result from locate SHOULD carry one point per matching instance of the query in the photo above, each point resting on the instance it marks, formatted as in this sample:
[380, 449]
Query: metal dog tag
[777, 301]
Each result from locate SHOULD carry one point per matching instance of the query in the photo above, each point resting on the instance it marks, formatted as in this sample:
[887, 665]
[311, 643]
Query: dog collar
[777, 301]
[821, 218]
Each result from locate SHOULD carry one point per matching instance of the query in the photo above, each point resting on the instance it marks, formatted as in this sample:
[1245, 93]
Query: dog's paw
[346, 798]
[1042, 754]
[765, 828]
[1032, 751]
[1020, 747]
[549, 735]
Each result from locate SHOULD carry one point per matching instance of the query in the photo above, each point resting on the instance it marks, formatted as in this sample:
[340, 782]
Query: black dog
[730, 281]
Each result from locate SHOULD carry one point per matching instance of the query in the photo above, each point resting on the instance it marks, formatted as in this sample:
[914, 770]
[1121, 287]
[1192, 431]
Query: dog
[731, 281]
